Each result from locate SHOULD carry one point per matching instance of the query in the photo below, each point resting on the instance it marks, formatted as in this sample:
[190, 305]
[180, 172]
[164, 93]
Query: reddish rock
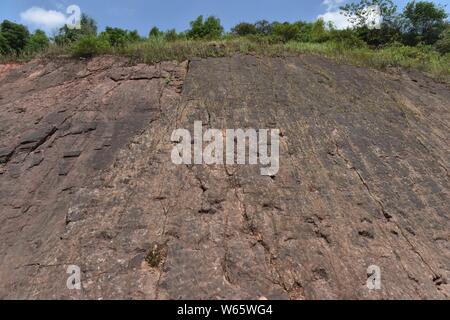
[86, 179]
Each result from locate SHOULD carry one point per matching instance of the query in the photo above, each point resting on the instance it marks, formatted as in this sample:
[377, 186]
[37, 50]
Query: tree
[171, 35]
[37, 42]
[209, 29]
[15, 35]
[389, 30]
[133, 36]
[155, 33]
[286, 31]
[244, 29]
[115, 36]
[4, 46]
[264, 27]
[118, 37]
[67, 35]
[89, 45]
[319, 32]
[443, 44]
[423, 22]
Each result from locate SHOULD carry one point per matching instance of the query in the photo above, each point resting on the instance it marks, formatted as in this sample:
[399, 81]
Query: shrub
[319, 32]
[347, 38]
[286, 31]
[443, 44]
[209, 29]
[244, 29]
[4, 46]
[115, 36]
[155, 33]
[119, 38]
[264, 27]
[37, 42]
[89, 46]
[389, 33]
[171, 35]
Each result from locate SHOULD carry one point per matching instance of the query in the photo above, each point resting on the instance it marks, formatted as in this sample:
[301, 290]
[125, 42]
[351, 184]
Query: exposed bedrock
[86, 179]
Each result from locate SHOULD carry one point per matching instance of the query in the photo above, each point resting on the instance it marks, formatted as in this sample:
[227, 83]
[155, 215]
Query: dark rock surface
[86, 179]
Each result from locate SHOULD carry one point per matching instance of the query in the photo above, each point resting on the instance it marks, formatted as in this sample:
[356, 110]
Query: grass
[422, 58]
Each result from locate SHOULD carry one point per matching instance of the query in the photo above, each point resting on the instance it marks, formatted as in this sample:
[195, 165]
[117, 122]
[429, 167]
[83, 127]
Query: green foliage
[133, 36]
[67, 35]
[286, 31]
[37, 42]
[115, 36]
[155, 33]
[118, 38]
[244, 29]
[347, 38]
[319, 31]
[89, 46]
[390, 30]
[424, 22]
[443, 44]
[4, 46]
[171, 35]
[209, 29]
[264, 27]
[15, 35]
[389, 33]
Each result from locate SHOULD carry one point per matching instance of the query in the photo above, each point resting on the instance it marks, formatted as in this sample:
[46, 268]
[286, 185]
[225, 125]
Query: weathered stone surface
[363, 181]
[5, 154]
[72, 154]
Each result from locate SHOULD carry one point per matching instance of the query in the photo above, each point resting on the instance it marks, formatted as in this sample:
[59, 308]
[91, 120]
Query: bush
[89, 46]
[347, 38]
[171, 35]
[286, 31]
[443, 44]
[155, 33]
[37, 42]
[115, 36]
[244, 29]
[4, 46]
[210, 29]
[264, 27]
[389, 33]
[319, 32]
[119, 38]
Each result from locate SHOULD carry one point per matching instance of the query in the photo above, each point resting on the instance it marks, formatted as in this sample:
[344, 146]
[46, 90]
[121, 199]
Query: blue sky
[143, 14]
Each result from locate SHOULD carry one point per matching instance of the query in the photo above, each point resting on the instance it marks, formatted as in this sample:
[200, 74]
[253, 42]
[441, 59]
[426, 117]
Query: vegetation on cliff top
[418, 37]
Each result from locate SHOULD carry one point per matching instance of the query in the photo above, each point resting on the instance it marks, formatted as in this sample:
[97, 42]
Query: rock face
[86, 179]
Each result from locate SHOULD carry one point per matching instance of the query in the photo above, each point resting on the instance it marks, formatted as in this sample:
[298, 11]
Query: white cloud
[339, 20]
[44, 19]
